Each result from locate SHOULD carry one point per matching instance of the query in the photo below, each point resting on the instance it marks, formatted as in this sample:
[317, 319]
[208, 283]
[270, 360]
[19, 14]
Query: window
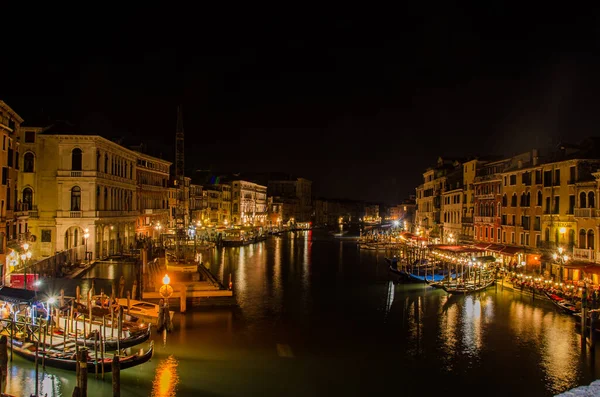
[590, 239]
[46, 236]
[28, 162]
[591, 201]
[27, 198]
[582, 200]
[539, 198]
[504, 201]
[572, 175]
[571, 204]
[556, 177]
[76, 159]
[10, 157]
[513, 180]
[17, 160]
[547, 178]
[29, 136]
[582, 238]
[556, 205]
[98, 157]
[538, 223]
[4, 175]
[76, 198]
[513, 200]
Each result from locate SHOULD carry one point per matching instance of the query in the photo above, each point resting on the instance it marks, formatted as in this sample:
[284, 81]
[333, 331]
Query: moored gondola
[563, 304]
[464, 288]
[111, 344]
[67, 361]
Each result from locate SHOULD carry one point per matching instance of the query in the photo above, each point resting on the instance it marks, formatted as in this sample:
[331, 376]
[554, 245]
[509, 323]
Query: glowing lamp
[563, 230]
[166, 279]
[51, 300]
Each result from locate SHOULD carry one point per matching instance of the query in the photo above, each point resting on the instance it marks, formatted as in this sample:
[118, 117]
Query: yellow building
[152, 195]
[452, 204]
[429, 198]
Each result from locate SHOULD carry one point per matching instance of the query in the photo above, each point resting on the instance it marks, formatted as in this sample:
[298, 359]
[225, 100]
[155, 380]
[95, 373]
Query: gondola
[60, 360]
[468, 287]
[563, 304]
[124, 343]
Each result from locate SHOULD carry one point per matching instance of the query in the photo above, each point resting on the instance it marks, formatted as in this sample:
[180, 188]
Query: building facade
[88, 187]
[152, 176]
[248, 203]
[294, 188]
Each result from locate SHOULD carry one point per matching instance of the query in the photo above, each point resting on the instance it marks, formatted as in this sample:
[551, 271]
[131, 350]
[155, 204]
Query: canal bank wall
[588, 391]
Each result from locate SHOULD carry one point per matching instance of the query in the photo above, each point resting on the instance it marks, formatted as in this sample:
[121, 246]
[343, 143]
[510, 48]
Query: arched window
[590, 239]
[76, 159]
[528, 200]
[492, 209]
[499, 211]
[513, 200]
[547, 234]
[539, 198]
[27, 198]
[106, 163]
[523, 202]
[98, 157]
[504, 201]
[591, 200]
[76, 198]
[582, 200]
[28, 162]
[582, 238]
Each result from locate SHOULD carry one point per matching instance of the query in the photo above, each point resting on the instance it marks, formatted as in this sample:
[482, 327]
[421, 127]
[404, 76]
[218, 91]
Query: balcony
[467, 219]
[485, 219]
[585, 212]
[584, 254]
[95, 214]
[490, 196]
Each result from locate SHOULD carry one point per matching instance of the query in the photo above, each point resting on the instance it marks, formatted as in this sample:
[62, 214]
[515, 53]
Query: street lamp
[561, 260]
[86, 235]
[166, 290]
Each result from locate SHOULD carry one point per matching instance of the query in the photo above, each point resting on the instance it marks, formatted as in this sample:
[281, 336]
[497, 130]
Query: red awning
[511, 251]
[496, 248]
[482, 245]
[594, 269]
[577, 264]
[456, 249]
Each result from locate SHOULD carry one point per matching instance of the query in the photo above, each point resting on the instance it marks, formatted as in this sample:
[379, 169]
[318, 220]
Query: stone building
[248, 203]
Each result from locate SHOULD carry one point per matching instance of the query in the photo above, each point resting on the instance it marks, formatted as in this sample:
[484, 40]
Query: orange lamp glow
[166, 279]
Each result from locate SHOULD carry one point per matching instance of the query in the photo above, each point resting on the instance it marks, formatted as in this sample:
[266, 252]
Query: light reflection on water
[347, 326]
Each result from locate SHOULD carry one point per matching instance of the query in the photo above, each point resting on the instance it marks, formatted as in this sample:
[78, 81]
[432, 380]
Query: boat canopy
[17, 295]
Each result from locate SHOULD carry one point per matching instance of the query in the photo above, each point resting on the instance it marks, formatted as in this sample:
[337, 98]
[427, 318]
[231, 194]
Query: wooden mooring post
[3, 359]
[116, 376]
[81, 373]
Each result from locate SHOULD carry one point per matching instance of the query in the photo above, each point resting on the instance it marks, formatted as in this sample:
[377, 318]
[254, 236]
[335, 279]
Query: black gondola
[563, 304]
[60, 360]
[111, 344]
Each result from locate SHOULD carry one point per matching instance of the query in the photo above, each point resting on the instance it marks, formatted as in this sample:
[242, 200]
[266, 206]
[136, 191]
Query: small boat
[67, 361]
[138, 310]
[563, 304]
[467, 287]
[112, 344]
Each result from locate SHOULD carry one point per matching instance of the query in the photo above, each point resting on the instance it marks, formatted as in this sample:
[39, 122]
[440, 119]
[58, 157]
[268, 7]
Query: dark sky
[360, 101]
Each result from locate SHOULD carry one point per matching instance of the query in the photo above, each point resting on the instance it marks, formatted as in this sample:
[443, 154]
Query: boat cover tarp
[17, 295]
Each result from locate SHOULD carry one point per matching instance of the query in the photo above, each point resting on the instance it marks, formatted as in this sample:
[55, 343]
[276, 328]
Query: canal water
[318, 317]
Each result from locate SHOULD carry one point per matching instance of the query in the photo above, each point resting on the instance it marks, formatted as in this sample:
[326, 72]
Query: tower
[179, 148]
[180, 172]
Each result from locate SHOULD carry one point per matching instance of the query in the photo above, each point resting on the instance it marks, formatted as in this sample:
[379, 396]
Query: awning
[511, 251]
[485, 259]
[16, 295]
[593, 269]
[496, 248]
[455, 249]
[577, 264]
[482, 245]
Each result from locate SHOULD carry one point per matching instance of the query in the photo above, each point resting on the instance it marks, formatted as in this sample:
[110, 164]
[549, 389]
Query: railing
[585, 212]
[584, 254]
[108, 214]
[485, 219]
[75, 214]
[485, 196]
[467, 219]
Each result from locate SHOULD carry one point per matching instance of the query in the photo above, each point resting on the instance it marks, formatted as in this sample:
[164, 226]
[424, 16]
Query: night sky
[361, 102]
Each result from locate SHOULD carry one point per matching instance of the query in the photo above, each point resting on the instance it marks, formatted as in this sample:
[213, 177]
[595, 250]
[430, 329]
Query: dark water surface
[319, 317]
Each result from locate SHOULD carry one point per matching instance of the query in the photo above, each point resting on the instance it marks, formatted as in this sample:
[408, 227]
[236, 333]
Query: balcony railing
[485, 196]
[585, 212]
[584, 254]
[485, 219]
[467, 219]
[75, 214]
